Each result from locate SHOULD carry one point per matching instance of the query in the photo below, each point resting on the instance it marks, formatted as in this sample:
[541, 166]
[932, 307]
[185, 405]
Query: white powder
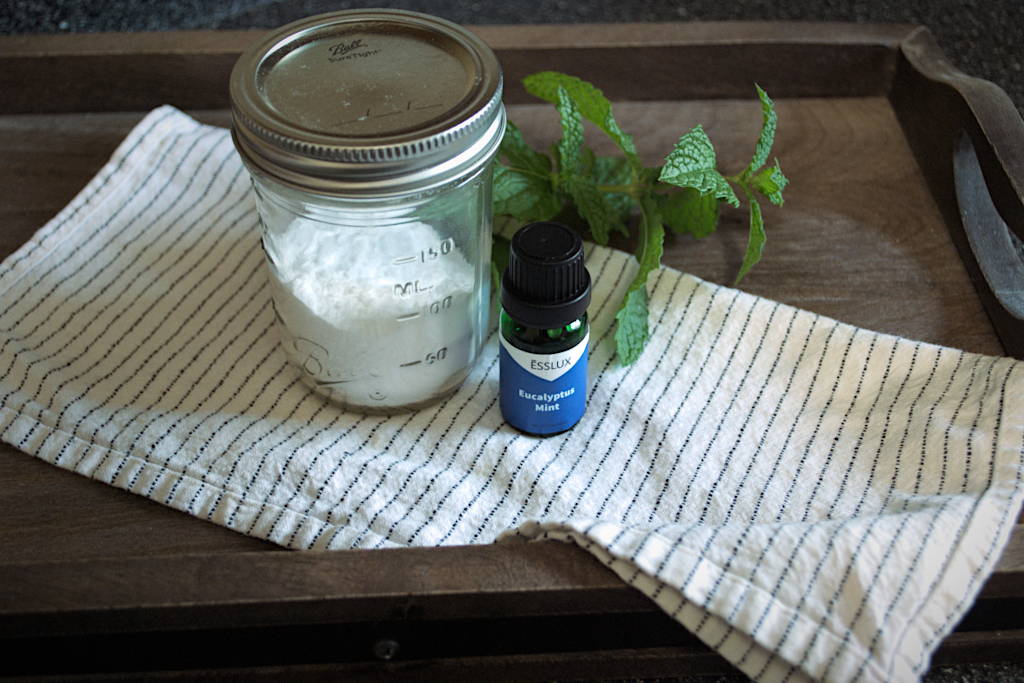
[377, 317]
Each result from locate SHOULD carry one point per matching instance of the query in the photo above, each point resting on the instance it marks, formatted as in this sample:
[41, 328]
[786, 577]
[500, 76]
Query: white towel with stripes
[810, 498]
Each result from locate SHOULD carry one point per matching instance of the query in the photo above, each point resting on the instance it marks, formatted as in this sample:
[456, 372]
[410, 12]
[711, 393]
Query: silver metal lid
[367, 102]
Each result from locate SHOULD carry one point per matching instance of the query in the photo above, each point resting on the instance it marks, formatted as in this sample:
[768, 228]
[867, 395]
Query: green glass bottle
[544, 340]
[544, 330]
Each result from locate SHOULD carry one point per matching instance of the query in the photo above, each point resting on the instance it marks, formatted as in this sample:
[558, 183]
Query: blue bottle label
[543, 393]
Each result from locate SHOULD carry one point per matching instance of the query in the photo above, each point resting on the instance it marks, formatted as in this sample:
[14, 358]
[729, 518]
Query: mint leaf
[575, 160]
[570, 147]
[631, 331]
[631, 326]
[769, 119]
[593, 207]
[520, 155]
[692, 163]
[587, 161]
[770, 182]
[592, 104]
[523, 189]
[755, 242]
[689, 212]
[524, 196]
[613, 172]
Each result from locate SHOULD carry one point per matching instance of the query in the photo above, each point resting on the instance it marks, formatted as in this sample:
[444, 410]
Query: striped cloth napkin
[811, 499]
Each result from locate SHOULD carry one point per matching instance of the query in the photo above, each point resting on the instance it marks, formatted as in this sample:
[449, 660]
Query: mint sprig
[752, 180]
[684, 194]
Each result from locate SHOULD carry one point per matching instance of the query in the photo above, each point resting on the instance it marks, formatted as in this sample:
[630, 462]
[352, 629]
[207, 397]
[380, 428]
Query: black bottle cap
[545, 284]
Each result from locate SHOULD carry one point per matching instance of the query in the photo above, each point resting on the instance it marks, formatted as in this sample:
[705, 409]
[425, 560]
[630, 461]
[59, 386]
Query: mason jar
[369, 136]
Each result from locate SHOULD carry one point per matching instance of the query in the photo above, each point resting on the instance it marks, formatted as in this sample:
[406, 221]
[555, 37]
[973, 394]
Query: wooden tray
[891, 153]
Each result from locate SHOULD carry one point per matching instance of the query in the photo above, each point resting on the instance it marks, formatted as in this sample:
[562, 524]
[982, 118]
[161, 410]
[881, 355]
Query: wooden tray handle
[998, 251]
[969, 141]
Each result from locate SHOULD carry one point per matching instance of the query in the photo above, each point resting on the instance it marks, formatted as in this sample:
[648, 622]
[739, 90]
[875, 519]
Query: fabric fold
[811, 499]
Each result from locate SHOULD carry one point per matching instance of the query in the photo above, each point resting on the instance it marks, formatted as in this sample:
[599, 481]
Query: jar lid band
[367, 102]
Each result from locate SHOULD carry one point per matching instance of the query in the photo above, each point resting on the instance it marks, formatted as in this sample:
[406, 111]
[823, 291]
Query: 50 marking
[430, 358]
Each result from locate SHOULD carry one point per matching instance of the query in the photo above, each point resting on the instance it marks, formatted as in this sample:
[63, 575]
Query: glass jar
[369, 136]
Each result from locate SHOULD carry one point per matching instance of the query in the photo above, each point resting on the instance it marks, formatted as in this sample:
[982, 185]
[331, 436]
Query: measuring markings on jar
[432, 252]
[429, 359]
[433, 308]
[402, 289]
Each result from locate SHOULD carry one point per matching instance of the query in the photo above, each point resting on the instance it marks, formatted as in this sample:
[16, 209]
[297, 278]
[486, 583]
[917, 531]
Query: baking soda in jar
[392, 326]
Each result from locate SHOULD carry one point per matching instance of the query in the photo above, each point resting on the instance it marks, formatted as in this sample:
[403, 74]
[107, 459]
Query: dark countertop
[982, 37]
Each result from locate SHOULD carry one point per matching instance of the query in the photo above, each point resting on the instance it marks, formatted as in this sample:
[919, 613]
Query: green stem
[526, 171]
[634, 190]
[742, 180]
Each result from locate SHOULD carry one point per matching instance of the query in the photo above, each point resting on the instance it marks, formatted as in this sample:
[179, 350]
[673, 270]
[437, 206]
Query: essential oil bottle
[544, 330]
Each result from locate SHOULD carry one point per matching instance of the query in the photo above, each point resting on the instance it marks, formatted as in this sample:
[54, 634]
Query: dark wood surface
[869, 235]
[685, 60]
